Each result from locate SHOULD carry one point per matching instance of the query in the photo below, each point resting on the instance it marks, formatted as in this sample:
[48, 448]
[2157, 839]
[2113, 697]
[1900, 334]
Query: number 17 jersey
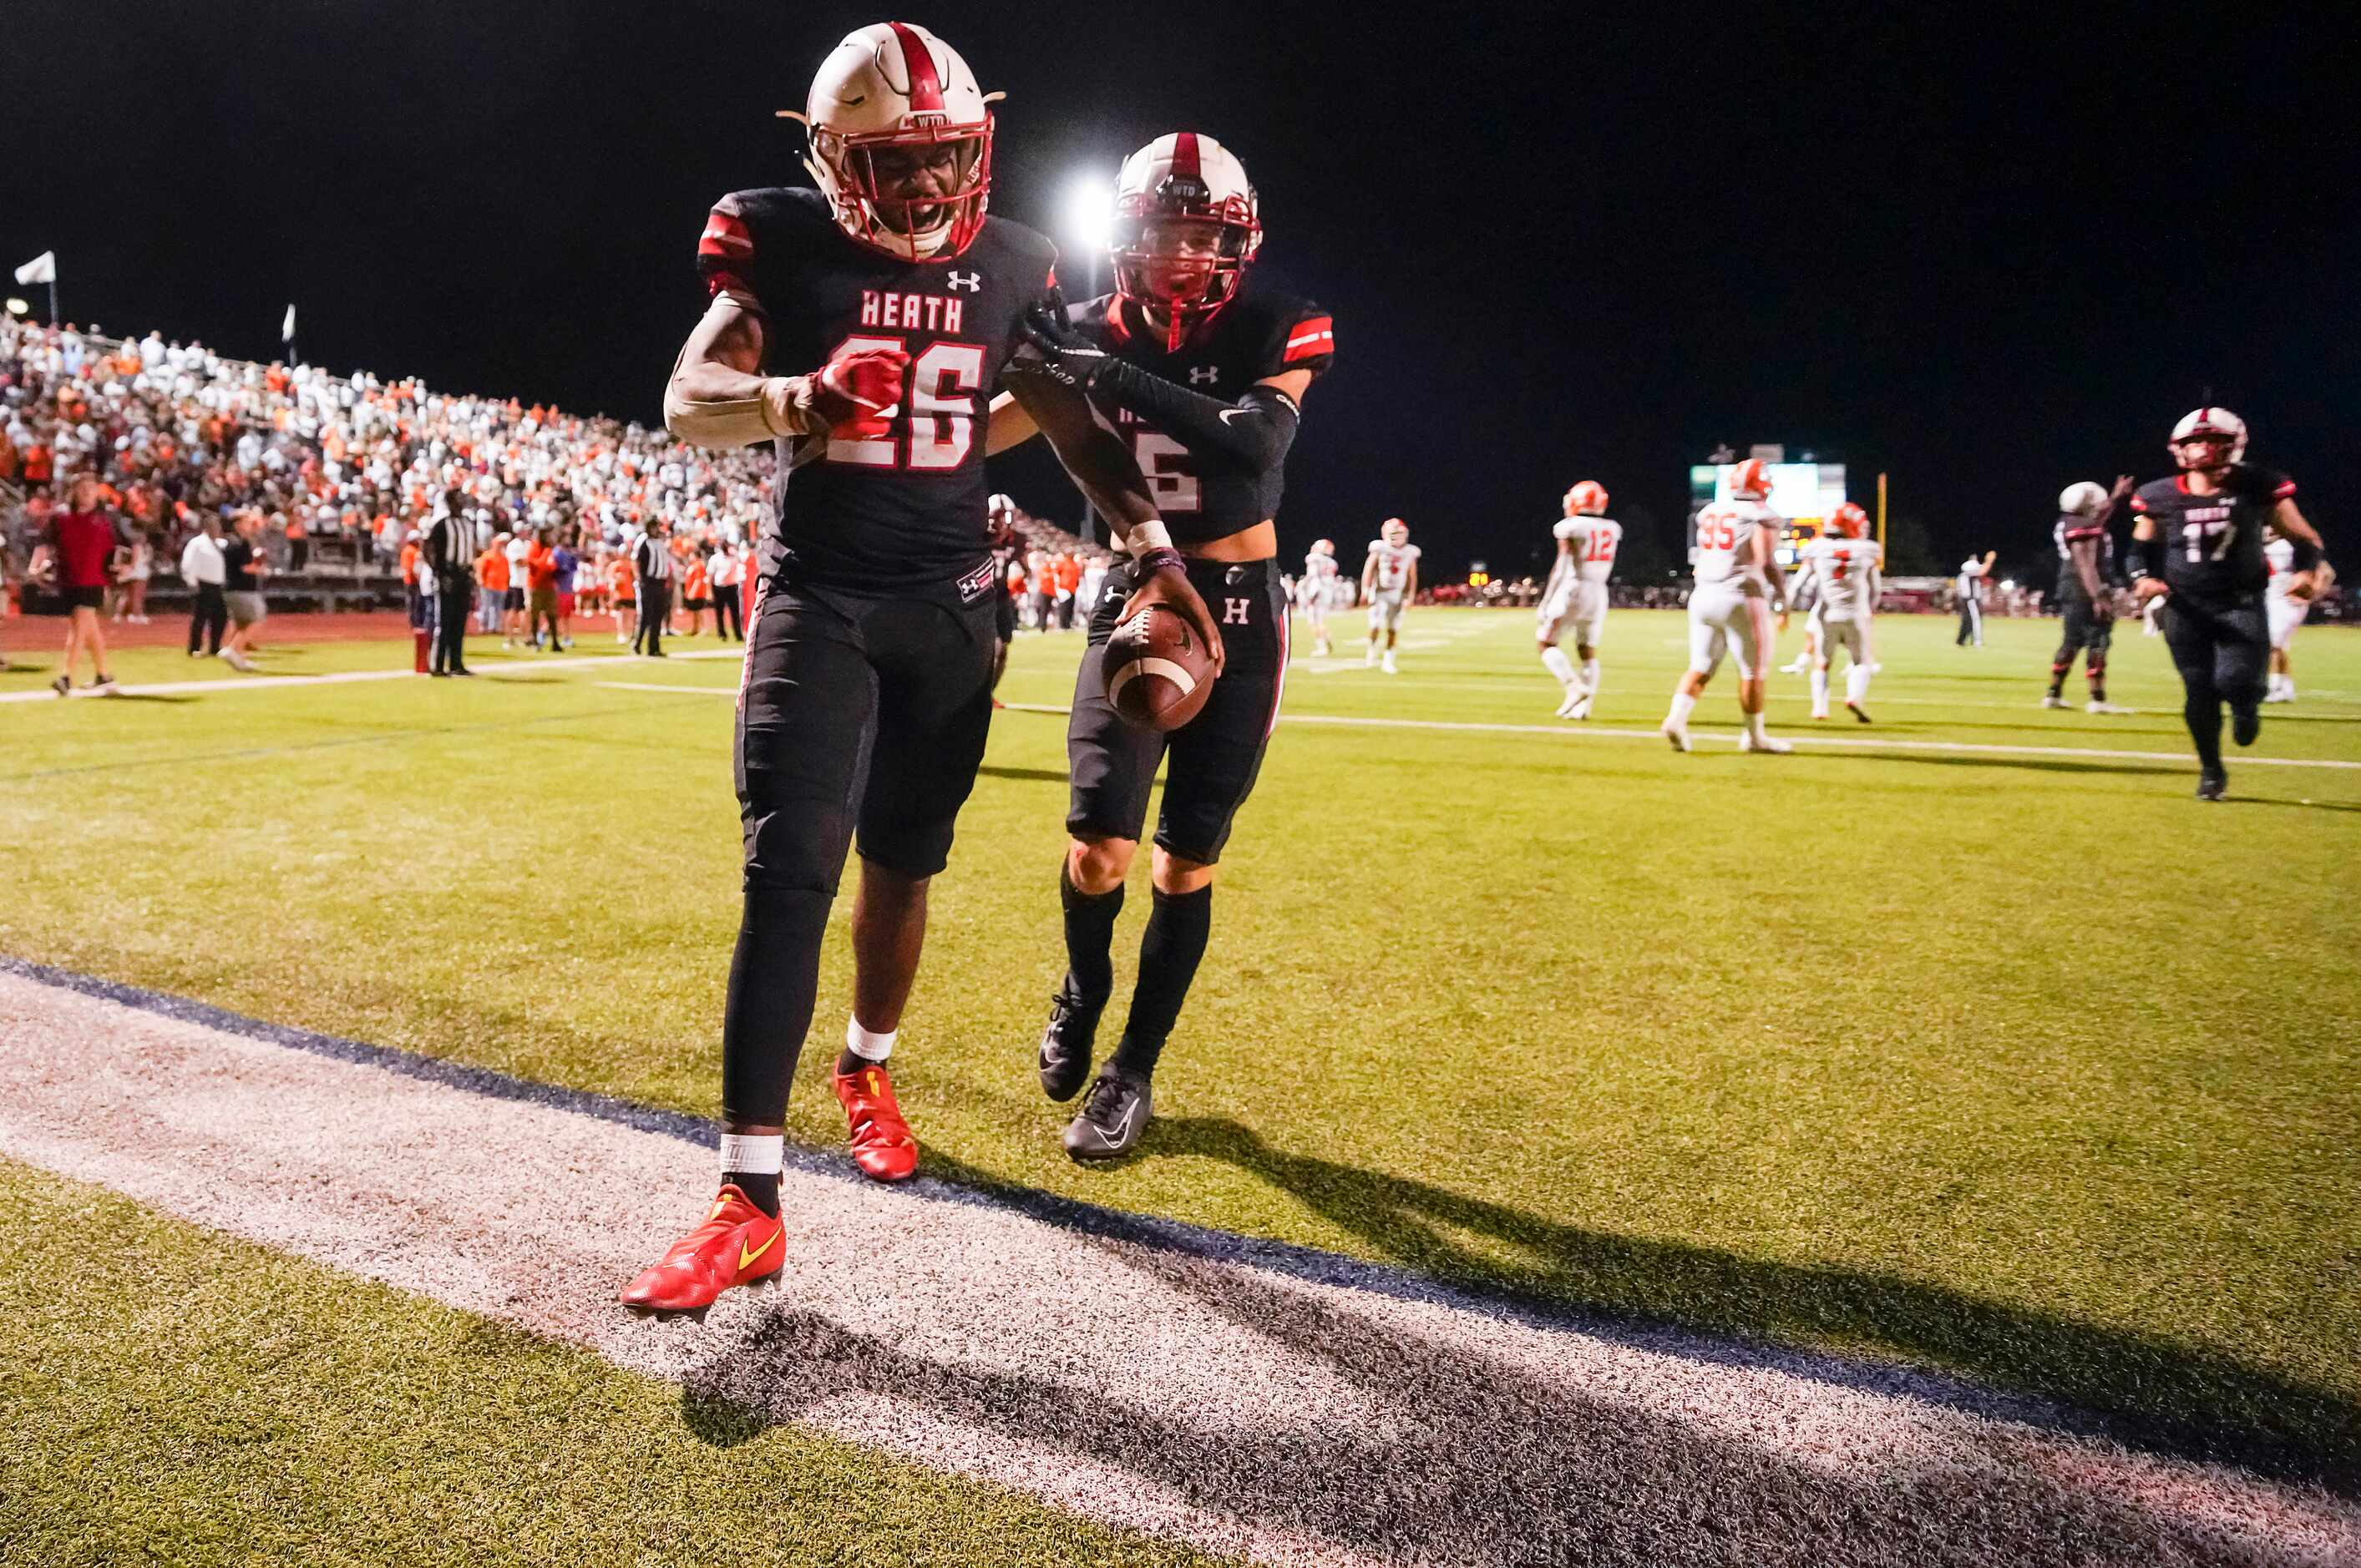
[2213, 545]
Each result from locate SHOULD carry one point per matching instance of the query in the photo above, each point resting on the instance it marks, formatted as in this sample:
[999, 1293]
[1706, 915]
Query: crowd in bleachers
[341, 471]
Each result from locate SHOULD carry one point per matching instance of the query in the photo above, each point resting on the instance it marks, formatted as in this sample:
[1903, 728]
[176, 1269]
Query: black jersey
[2213, 545]
[1204, 495]
[896, 503]
[2072, 528]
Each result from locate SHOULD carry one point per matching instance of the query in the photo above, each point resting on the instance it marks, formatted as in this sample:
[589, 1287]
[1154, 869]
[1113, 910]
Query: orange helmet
[1589, 498]
[1750, 480]
[1849, 520]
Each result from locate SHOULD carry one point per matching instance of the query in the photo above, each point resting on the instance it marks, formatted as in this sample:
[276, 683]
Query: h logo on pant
[1234, 611]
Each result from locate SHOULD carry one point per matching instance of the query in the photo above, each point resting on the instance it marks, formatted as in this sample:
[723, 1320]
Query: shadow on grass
[1411, 1441]
[2184, 1400]
[1024, 775]
[2292, 804]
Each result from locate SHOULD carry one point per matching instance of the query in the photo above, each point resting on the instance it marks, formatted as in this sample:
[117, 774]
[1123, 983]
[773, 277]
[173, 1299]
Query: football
[1158, 672]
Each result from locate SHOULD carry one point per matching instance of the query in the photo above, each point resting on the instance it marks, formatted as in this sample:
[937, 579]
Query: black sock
[850, 1061]
[2098, 683]
[762, 1189]
[2204, 717]
[2058, 678]
[1168, 951]
[1090, 935]
[774, 981]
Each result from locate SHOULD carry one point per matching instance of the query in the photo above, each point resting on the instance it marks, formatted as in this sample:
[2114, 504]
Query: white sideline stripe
[343, 677]
[1864, 743]
[1247, 1412]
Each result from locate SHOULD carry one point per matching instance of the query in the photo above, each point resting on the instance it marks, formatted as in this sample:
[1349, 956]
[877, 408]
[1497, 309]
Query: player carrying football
[1388, 581]
[857, 325]
[1576, 594]
[1738, 586]
[2200, 537]
[1205, 378]
[1840, 568]
[2086, 592]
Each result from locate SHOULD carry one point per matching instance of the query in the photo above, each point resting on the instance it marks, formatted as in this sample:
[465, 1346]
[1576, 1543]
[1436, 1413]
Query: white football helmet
[2209, 433]
[1588, 498]
[2083, 499]
[895, 85]
[1395, 531]
[1750, 480]
[1183, 175]
[1324, 547]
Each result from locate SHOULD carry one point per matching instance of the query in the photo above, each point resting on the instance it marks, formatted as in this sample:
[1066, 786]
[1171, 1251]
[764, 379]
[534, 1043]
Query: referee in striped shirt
[651, 560]
[450, 555]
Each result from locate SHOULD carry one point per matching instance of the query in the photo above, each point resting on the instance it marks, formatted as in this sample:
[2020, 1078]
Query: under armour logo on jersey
[1234, 611]
[1205, 375]
[972, 282]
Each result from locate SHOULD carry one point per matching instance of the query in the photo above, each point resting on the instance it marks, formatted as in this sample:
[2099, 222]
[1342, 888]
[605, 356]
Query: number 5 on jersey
[938, 429]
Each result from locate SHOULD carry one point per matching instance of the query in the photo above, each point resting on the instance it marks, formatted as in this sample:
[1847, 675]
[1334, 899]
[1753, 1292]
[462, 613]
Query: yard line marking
[343, 677]
[1211, 1395]
[1860, 743]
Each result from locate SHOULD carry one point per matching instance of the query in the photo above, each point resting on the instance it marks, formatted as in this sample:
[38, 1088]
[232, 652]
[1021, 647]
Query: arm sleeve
[1256, 430]
[725, 251]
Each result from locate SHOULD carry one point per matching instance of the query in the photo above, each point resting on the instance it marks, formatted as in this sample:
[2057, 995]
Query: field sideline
[1970, 1044]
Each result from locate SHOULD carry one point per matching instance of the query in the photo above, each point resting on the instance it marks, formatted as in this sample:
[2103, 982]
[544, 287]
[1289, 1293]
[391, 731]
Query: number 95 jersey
[1206, 495]
[897, 502]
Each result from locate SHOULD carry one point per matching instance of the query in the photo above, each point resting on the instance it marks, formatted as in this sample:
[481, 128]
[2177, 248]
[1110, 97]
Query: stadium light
[1088, 220]
[17, 307]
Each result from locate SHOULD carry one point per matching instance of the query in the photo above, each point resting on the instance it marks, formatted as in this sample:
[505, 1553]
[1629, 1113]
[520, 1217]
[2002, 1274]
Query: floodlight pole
[1881, 515]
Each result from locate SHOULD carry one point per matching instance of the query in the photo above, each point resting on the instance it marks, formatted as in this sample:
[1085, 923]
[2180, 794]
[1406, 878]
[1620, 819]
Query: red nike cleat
[881, 1145]
[738, 1245]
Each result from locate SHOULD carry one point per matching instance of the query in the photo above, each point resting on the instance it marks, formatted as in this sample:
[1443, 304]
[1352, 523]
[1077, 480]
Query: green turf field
[2023, 1064]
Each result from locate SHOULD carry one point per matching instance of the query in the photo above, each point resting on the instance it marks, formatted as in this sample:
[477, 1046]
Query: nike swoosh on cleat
[745, 1257]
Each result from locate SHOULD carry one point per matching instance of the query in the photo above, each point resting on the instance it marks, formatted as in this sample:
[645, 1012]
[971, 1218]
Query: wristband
[2307, 553]
[1161, 558]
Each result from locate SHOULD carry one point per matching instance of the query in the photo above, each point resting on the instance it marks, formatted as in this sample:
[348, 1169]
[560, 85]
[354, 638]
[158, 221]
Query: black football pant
[451, 631]
[209, 619]
[655, 609]
[859, 718]
[2222, 648]
[2087, 634]
[726, 622]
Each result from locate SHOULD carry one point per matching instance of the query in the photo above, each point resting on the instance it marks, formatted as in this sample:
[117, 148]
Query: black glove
[1066, 354]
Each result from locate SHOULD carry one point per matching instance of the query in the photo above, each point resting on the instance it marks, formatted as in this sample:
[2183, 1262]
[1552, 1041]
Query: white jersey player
[2286, 603]
[1576, 598]
[1314, 588]
[1739, 586]
[1388, 581]
[1841, 567]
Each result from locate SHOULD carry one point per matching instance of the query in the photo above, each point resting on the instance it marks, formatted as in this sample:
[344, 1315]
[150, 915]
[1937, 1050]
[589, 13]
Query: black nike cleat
[1111, 1119]
[2213, 784]
[1066, 1043]
[2245, 725]
[1857, 711]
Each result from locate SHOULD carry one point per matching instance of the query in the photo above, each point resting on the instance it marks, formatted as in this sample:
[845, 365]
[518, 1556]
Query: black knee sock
[2204, 716]
[2098, 677]
[773, 980]
[2057, 668]
[1090, 935]
[1168, 951]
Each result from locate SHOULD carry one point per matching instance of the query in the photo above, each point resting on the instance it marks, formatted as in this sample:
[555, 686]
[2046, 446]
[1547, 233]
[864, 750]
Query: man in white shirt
[1389, 580]
[203, 569]
[1575, 596]
[1974, 573]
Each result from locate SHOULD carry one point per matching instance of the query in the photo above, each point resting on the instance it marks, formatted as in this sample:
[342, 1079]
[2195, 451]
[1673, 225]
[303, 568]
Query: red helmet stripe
[925, 87]
[1185, 163]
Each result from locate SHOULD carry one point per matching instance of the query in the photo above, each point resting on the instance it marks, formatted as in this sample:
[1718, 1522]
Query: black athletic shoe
[1066, 1043]
[2213, 785]
[2245, 725]
[1111, 1119]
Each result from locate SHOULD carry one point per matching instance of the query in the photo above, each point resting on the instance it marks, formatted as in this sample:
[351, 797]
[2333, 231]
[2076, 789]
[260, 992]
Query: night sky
[1990, 255]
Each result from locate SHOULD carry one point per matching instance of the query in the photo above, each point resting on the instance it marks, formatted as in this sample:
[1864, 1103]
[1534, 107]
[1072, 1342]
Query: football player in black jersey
[1205, 379]
[859, 327]
[2199, 537]
[2086, 592]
